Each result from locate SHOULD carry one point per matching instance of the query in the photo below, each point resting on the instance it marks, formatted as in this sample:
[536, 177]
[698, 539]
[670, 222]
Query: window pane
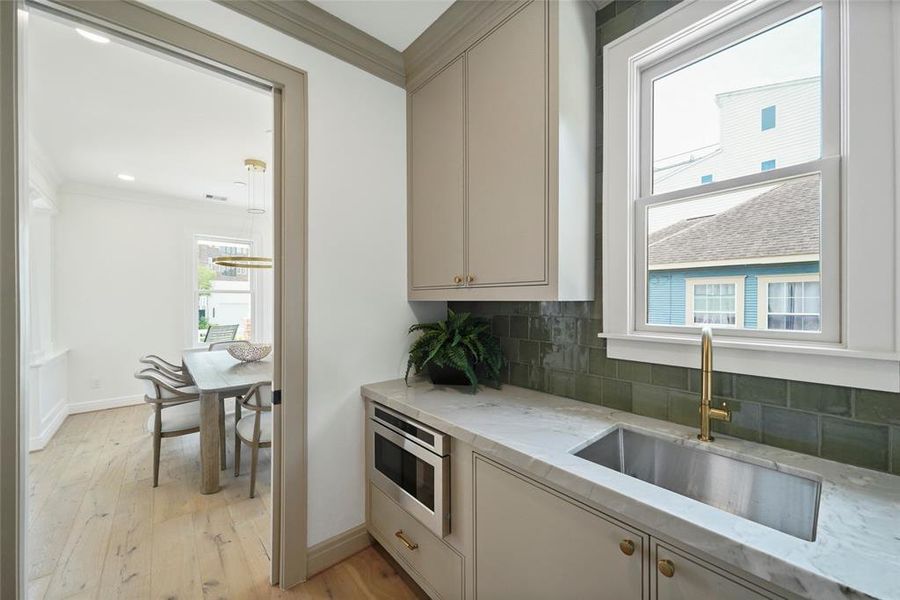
[752, 235]
[223, 293]
[753, 106]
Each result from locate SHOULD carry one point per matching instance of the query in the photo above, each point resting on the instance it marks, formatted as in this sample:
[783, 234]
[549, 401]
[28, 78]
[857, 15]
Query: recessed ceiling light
[90, 35]
[125, 177]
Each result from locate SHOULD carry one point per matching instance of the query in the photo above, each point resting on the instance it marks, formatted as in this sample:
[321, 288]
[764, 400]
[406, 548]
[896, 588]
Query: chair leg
[157, 439]
[237, 439]
[254, 454]
[223, 458]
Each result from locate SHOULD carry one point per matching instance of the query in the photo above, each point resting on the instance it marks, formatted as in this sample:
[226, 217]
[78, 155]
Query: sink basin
[782, 501]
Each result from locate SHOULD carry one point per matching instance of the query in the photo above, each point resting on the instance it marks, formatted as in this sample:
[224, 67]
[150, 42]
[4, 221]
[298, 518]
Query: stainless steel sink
[782, 501]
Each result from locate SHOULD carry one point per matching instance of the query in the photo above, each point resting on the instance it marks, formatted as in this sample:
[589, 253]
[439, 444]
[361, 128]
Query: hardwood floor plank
[175, 574]
[223, 566]
[126, 568]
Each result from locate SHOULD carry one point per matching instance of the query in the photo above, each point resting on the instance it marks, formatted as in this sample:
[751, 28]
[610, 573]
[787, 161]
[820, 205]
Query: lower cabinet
[435, 566]
[678, 576]
[532, 543]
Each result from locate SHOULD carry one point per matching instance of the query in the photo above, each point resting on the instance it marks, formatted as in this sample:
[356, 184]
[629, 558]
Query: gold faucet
[706, 372]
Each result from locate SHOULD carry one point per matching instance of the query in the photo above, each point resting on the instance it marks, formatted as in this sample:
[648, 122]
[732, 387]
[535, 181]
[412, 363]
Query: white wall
[123, 279]
[358, 313]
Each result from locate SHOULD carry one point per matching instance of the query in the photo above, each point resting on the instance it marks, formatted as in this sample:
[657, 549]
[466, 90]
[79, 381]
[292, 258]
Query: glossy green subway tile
[895, 450]
[500, 325]
[587, 332]
[510, 348]
[518, 374]
[518, 327]
[561, 383]
[588, 388]
[790, 429]
[634, 371]
[746, 418]
[529, 352]
[599, 364]
[673, 377]
[616, 394]
[723, 383]
[761, 389]
[856, 443]
[684, 408]
[827, 399]
[650, 400]
[879, 407]
[557, 356]
[539, 329]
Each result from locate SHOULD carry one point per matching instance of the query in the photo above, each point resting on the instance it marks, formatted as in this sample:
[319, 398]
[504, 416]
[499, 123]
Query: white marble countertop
[856, 553]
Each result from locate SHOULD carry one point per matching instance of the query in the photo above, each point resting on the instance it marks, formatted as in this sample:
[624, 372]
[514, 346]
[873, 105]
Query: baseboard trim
[39, 442]
[103, 404]
[330, 552]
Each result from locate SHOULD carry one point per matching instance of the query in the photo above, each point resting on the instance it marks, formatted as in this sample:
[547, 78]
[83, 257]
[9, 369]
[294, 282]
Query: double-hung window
[223, 295]
[730, 204]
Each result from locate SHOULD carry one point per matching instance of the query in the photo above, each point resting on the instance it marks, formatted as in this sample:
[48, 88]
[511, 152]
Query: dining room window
[223, 295]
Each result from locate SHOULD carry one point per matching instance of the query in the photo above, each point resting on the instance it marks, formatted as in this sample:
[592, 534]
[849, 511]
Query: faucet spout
[707, 412]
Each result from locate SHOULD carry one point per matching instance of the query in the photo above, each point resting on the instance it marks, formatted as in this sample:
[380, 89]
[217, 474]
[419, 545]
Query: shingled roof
[781, 222]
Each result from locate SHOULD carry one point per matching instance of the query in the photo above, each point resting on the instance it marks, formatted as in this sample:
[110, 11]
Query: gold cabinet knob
[627, 547]
[458, 279]
[470, 278]
[410, 545]
[665, 567]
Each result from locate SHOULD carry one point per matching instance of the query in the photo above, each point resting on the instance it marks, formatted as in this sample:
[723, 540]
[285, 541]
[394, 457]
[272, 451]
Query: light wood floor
[98, 529]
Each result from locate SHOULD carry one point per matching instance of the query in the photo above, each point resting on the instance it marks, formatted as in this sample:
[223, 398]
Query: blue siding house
[754, 265]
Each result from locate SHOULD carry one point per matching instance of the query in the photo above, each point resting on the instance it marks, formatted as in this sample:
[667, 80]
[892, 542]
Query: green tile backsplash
[553, 347]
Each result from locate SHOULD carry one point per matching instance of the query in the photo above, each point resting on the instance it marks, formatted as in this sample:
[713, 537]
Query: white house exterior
[761, 128]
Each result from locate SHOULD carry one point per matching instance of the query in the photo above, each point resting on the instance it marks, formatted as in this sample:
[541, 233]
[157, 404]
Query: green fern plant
[460, 342]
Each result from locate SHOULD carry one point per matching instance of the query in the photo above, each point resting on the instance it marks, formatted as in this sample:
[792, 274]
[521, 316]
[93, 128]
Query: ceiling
[395, 22]
[96, 110]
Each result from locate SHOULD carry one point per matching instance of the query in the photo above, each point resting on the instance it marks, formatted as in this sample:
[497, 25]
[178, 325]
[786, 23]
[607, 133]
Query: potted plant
[459, 350]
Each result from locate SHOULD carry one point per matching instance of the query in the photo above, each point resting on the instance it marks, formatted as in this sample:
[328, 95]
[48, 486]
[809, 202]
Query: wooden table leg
[209, 442]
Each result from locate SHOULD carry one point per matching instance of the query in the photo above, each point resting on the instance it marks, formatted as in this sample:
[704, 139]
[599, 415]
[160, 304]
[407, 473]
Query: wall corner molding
[312, 25]
[330, 552]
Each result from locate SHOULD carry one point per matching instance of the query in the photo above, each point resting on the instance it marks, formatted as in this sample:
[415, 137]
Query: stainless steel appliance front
[411, 464]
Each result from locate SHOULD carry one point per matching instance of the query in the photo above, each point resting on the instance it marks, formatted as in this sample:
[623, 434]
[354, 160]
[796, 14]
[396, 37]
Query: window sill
[828, 364]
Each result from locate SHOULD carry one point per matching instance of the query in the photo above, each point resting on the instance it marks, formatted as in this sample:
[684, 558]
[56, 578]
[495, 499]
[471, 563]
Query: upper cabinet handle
[458, 279]
[666, 567]
[470, 278]
[627, 547]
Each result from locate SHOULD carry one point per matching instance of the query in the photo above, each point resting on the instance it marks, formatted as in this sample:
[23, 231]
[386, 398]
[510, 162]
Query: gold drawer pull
[458, 279]
[627, 547]
[410, 545]
[470, 278]
[666, 567]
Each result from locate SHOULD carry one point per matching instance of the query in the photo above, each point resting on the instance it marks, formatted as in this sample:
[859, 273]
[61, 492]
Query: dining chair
[221, 333]
[254, 430]
[223, 458]
[176, 410]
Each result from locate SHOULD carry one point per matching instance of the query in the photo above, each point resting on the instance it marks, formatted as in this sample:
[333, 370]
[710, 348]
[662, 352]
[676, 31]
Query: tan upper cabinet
[501, 157]
[437, 226]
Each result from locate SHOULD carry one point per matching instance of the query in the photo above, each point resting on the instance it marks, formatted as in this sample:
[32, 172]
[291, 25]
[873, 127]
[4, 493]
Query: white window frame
[762, 294]
[255, 311]
[859, 197]
[691, 282]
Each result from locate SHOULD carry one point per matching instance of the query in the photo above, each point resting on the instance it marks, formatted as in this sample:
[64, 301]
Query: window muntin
[815, 162]
[705, 113]
[223, 294]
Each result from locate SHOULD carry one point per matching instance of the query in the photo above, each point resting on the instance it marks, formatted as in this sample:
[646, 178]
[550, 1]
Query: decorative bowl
[249, 352]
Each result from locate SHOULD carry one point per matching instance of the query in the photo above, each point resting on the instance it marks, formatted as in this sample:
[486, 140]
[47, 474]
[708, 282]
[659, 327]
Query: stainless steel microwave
[411, 464]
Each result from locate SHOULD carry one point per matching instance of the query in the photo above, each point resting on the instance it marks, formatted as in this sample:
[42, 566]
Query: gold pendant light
[256, 205]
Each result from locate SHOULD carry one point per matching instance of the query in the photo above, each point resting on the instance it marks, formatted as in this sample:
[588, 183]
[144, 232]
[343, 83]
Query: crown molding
[312, 25]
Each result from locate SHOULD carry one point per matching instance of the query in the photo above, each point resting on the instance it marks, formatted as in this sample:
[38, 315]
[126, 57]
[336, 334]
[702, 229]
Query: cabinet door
[531, 543]
[689, 579]
[437, 188]
[507, 79]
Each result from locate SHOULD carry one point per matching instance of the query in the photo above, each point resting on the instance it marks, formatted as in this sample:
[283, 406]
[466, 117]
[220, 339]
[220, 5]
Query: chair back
[221, 333]
[258, 398]
[160, 389]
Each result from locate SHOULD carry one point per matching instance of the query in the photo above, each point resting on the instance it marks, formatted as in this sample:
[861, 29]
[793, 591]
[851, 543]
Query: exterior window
[790, 303]
[768, 118]
[754, 219]
[715, 301]
[223, 294]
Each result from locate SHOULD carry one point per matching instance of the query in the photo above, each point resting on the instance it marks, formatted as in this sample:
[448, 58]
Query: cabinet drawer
[436, 566]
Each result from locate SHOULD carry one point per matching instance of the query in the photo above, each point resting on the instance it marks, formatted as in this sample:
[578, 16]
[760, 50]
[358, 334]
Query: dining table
[219, 375]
